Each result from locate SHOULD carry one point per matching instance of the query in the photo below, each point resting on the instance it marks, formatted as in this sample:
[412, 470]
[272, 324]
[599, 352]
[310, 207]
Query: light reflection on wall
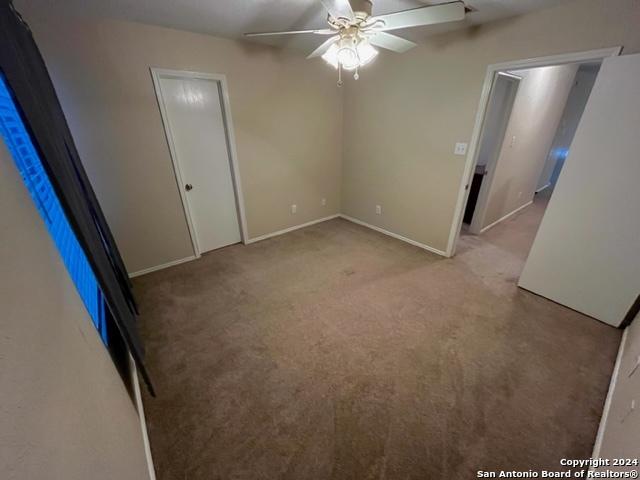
[192, 98]
[561, 153]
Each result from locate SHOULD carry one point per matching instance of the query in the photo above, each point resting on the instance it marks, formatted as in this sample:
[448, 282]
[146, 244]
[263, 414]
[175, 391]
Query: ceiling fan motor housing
[361, 6]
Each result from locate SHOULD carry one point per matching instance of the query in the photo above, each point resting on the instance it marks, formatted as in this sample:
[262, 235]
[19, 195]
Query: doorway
[499, 198]
[518, 138]
[503, 95]
[197, 121]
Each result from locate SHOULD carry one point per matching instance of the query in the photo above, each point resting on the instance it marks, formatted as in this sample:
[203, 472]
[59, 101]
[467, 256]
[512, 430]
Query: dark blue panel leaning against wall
[28, 81]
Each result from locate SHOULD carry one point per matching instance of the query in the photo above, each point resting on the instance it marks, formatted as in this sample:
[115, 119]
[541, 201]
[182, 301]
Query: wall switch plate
[323, 202]
[379, 209]
[294, 208]
[513, 141]
[461, 148]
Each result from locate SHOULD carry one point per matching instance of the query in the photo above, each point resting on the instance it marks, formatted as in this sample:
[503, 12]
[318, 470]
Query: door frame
[472, 154]
[480, 211]
[156, 75]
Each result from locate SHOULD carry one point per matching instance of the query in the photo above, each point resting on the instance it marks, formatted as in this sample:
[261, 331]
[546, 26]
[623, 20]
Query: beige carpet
[335, 352]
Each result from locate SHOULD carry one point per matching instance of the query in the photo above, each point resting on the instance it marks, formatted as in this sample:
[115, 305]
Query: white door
[196, 125]
[501, 100]
[586, 254]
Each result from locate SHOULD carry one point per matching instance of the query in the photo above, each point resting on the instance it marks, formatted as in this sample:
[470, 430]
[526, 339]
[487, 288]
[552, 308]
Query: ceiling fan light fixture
[366, 53]
[354, 30]
[331, 56]
[350, 53]
[347, 53]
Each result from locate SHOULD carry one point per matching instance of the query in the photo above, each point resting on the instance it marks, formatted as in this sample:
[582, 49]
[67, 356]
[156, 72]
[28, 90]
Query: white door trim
[472, 154]
[609, 399]
[135, 381]
[156, 74]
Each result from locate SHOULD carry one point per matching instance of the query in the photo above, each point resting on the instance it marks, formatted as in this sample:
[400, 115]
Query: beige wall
[542, 95]
[401, 120]
[404, 115]
[286, 111]
[64, 410]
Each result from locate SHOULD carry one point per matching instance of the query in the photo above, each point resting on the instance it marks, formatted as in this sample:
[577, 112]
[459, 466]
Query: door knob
[188, 187]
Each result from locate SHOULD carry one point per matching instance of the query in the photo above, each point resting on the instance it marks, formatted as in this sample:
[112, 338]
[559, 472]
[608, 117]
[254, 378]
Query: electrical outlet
[323, 202]
[379, 209]
[513, 141]
[519, 194]
[294, 208]
[460, 149]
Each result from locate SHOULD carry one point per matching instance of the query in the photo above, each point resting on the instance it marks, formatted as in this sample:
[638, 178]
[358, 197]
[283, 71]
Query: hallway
[515, 234]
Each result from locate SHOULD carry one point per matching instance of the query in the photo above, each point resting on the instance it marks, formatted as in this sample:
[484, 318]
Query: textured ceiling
[231, 18]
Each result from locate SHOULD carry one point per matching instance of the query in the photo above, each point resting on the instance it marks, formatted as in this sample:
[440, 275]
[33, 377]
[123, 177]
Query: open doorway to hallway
[531, 117]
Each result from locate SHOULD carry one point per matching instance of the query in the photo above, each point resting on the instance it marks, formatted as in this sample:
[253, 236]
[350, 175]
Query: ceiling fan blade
[323, 31]
[339, 8]
[324, 47]
[391, 42]
[429, 15]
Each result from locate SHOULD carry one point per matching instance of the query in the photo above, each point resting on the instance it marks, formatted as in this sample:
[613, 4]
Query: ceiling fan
[355, 32]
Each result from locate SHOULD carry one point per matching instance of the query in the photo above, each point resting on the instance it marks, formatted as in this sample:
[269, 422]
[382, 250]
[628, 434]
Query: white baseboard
[505, 217]
[291, 229]
[395, 235]
[544, 187]
[607, 404]
[251, 240]
[160, 267]
[143, 422]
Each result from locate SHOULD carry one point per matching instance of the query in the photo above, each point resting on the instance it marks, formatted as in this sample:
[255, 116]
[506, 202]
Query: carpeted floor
[335, 352]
